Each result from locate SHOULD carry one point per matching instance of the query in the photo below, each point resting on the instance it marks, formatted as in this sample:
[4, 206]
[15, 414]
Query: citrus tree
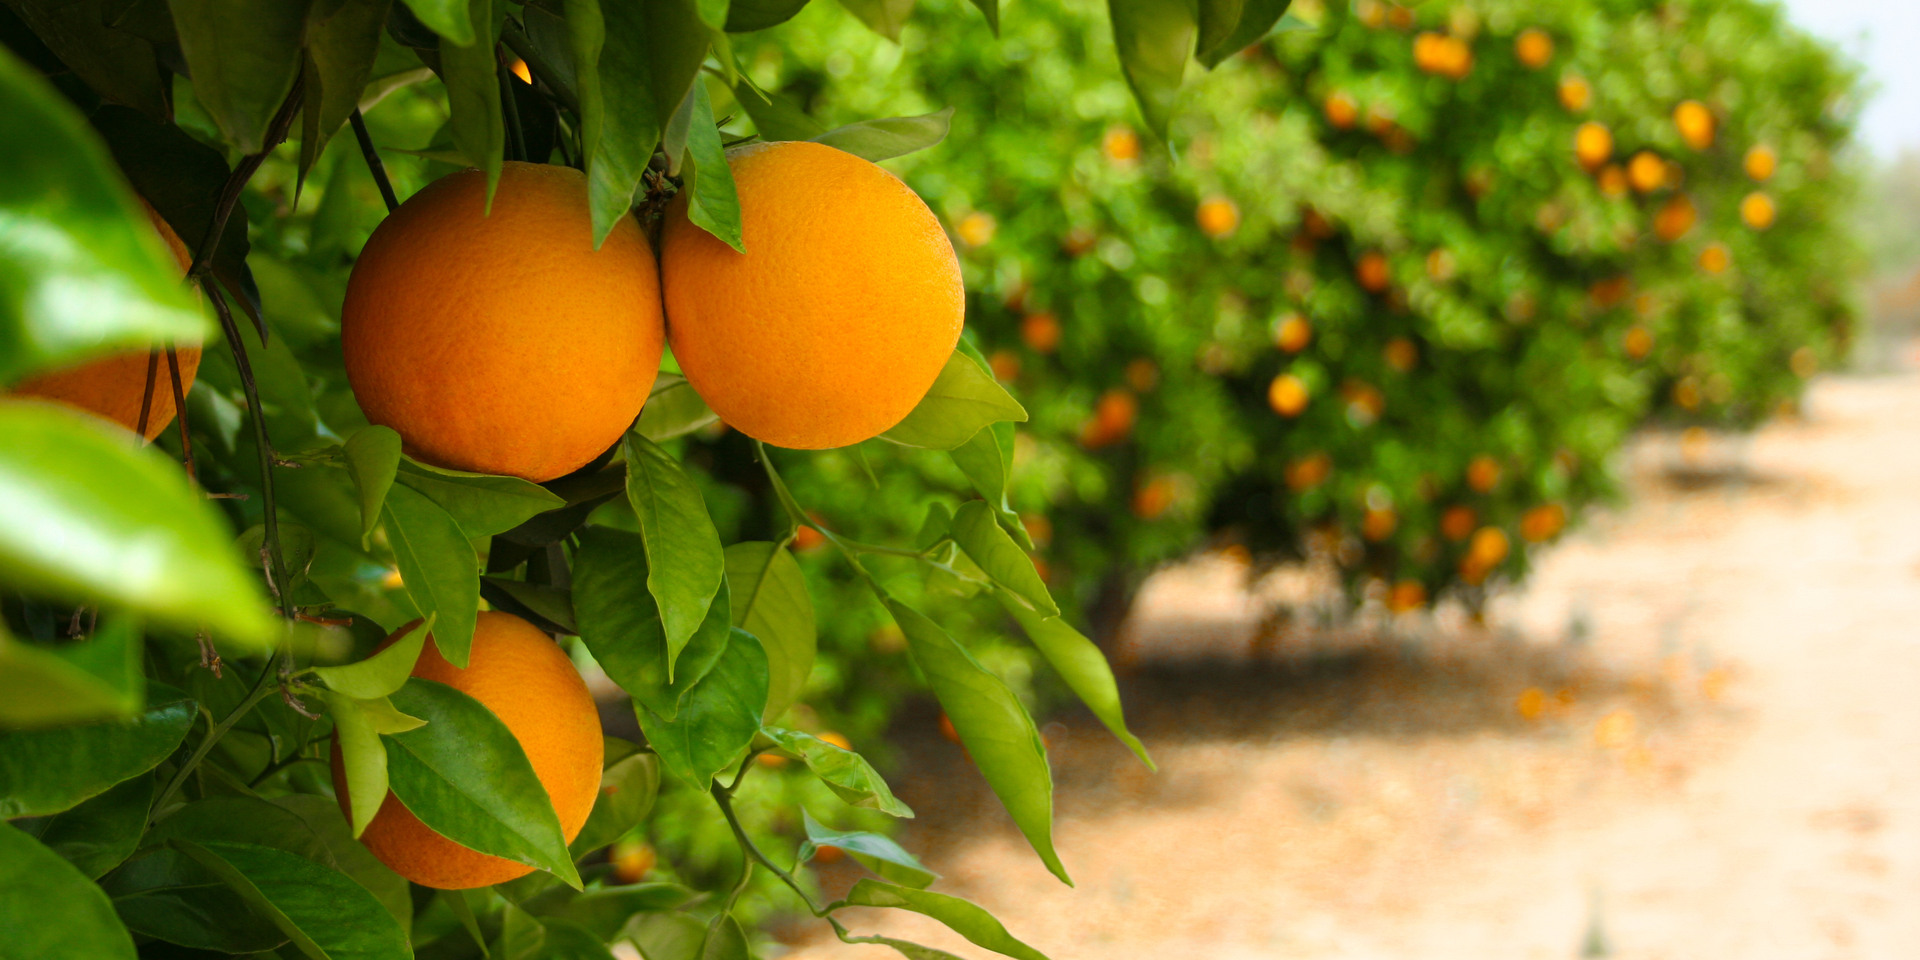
[309, 559]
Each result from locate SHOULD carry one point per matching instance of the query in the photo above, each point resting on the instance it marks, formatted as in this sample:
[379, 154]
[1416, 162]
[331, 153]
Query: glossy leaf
[117, 64]
[97, 835]
[770, 601]
[50, 910]
[385, 671]
[451, 19]
[342, 41]
[1154, 38]
[996, 729]
[1081, 664]
[718, 716]
[373, 459]
[47, 771]
[963, 399]
[958, 915]
[552, 604]
[1256, 18]
[438, 566]
[884, 17]
[96, 678]
[685, 562]
[651, 55]
[978, 532]
[241, 819]
[473, 92]
[627, 790]
[322, 815]
[465, 776]
[482, 504]
[620, 623]
[878, 140]
[243, 57]
[713, 204]
[91, 515]
[744, 16]
[82, 269]
[873, 851]
[324, 913]
[363, 759]
[774, 115]
[844, 772]
[673, 410]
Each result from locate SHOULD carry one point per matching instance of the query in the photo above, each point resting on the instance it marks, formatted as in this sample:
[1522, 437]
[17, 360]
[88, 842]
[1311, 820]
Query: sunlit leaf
[438, 566]
[47, 771]
[1079, 662]
[382, 673]
[483, 504]
[713, 204]
[620, 623]
[958, 915]
[373, 458]
[963, 399]
[685, 562]
[878, 140]
[718, 717]
[1154, 38]
[844, 772]
[871, 850]
[770, 601]
[979, 533]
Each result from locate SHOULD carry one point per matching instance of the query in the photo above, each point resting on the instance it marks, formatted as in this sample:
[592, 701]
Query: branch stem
[374, 166]
[259, 692]
[243, 172]
[753, 852]
[276, 564]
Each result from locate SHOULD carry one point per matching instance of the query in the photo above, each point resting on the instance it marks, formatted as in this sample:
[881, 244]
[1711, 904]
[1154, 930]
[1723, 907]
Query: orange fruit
[1760, 163]
[1121, 144]
[1293, 334]
[1543, 522]
[976, 229]
[1005, 365]
[1609, 293]
[1287, 395]
[1675, 218]
[1341, 110]
[827, 853]
[1483, 473]
[1646, 171]
[840, 315]
[1533, 47]
[1401, 354]
[1757, 211]
[115, 386]
[1041, 331]
[1716, 258]
[1112, 419]
[1151, 499]
[947, 730]
[1377, 524]
[1457, 522]
[1531, 703]
[461, 328]
[1612, 180]
[528, 682]
[1575, 94]
[1407, 595]
[1488, 546]
[1592, 144]
[1440, 265]
[1218, 217]
[1365, 402]
[1142, 374]
[633, 859]
[1695, 123]
[1373, 271]
[1638, 342]
[1309, 471]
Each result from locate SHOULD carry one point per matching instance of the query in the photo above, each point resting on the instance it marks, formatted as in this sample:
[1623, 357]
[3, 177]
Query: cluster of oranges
[1445, 55]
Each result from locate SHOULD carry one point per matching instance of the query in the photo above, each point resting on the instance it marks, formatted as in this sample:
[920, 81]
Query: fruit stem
[753, 852]
[237, 180]
[374, 166]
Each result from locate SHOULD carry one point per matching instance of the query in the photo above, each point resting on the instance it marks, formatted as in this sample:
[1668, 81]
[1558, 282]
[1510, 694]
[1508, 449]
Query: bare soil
[1719, 756]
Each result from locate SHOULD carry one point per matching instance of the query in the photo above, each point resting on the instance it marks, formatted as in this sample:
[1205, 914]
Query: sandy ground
[1696, 734]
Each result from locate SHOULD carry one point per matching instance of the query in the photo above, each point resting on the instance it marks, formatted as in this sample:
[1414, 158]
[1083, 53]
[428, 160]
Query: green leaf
[241, 819]
[961, 917]
[651, 55]
[471, 74]
[363, 758]
[465, 775]
[97, 835]
[770, 601]
[323, 911]
[342, 41]
[453, 20]
[906, 948]
[627, 791]
[873, 851]
[844, 772]
[117, 64]
[995, 728]
[673, 410]
[978, 532]
[164, 894]
[551, 604]
[1154, 38]
[713, 204]
[483, 504]
[991, 10]
[323, 817]
[384, 672]
[1217, 21]
[620, 623]
[884, 17]
[82, 269]
[1254, 20]
[50, 910]
[745, 16]
[963, 399]
[713, 13]
[668, 936]
[775, 116]
[46, 771]
[373, 459]
[685, 562]
[243, 57]
[92, 515]
[97, 678]
[987, 460]
[438, 566]
[462, 907]
[718, 716]
[1080, 663]
[606, 910]
[878, 140]
[725, 940]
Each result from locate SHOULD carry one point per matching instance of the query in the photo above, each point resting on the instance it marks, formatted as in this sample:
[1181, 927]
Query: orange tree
[313, 671]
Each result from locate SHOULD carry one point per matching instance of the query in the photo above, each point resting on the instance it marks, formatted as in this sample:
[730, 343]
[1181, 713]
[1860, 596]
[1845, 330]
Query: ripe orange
[976, 229]
[1287, 395]
[1761, 162]
[1218, 217]
[1483, 473]
[1756, 209]
[1695, 122]
[1406, 596]
[1533, 47]
[115, 386]
[840, 315]
[1675, 218]
[1575, 94]
[1716, 258]
[1543, 523]
[1441, 54]
[529, 683]
[1610, 292]
[1638, 342]
[1488, 546]
[1341, 110]
[837, 739]
[1121, 144]
[632, 859]
[1112, 420]
[1377, 524]
[1309, 471]
[1005, 365]
[1151, 499]
[1373, 271]
[1401, 354]
[1592, 144]
[1457, 522]
[1293, 334]
[1646, 171]
[462, 329]
[1041, 331]
[1612, 180]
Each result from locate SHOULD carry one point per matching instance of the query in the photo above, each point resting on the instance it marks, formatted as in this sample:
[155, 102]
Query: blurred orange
[1760, 163]
[1293, 334]
[1287, 395]
[1612, 180]
[807, 538]
[1407, 595]
[1592, 144]
[1440, 265]
[1483, 473]
[1365, 402]
[1443, 55]
[1756, 209]
[1715, 258]
[1372, 271]
[976, 229]
[1041, 331]
[1610, 292]
[1341, 110]
[519, 69]
[1686, 393]
[1401, 354]
[1218, 217]
[827, 854]
[1638, 342]
[1112, 421]
[1533, 47]
[1488, 546]
[1309, 471]
[1531, 703]
[1121, 144]
[1005, 364]
[1377, 524]
[837, 739]
[1675, 218]
[632, 860]
[1543, 523]
[1457, 522]
[1153, 498]
[1142, 374]
[1575, 94]
[1695, 123]
[1615, 730]
[1646, 171]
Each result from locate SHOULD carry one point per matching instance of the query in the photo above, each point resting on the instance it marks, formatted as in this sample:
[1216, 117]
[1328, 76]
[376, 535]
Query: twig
[180, 410]
[740, 835]
[374, 166]
[276, 564]
[146, 396]
[259, 692]
[243, 172]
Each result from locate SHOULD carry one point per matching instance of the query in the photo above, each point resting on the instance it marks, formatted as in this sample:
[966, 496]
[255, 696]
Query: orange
[1121, 144]
[1483, 473]
[1638, 342]
[1716, 258]
[1407, 595]
[1293, 334]
[1488, 546]
[1440, 265]
[1112, 420]
[1142, 374]
[1287, 395]
[462, 328]
[1457, 522]
[1341, 110]
[1401, 354]
[1592, 144]
[1543, 522]
[1365, 402]
[1612, 180]
[837, 739]
[1695, 122]
[1756, 209]
[839, 316]
[519, 69]
[1218, 217]
[115, 386]
[1675, 218]
[1005, 365]
[1041, 331]
[1646, 171]
[1575, 94]
[1309, 471]
[1610, 292]
[528, 682]
[1533, 47]
[1378, 524]
[1761, 162]
[633, 859]
[976, 229]
[1372, 271]
[1153, 498]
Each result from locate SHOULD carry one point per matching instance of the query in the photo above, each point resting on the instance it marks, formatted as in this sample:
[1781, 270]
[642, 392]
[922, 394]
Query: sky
[1885, 36]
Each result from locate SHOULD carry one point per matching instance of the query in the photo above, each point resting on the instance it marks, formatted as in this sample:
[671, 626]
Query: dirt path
[1720, 758]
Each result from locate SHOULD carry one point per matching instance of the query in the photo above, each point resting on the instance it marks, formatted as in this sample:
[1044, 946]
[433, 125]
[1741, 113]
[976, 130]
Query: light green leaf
[1154, 38]
[713, 204]
[878, 140]
[373, 459]
[673, 410]
[1079, 662]
[963, 399]
[383, 672]
[884, 17]
[844, 772]
[438, 566]
[978, 532]
[991, 10]
[483, 504]
[47, 771]
[987, 460]
[651, 55]
[685, 562]
[1256, 18]
[775, 116]
[363, 758]
[50, 910]
[243, 57]
[718, 716]
[961, 917]
[96, 678]
[473, 92]
[873, 851]
[770, 601]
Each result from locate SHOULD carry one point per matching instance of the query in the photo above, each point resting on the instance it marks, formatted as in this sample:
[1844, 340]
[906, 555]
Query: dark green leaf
[342, 41]
[620, 623]
[451, 19]
[627, 790]
[461, 904]
[1080, 663]
[718, 716]
[1217, 21]
[97, 678]
[744, 16]
[770, 601]
[566, 940]
[668, 936]
[963, 399]
[373, 458]
[685, 562]
[1256, 19]
[324, 913]
[978, 532]
[46, 771]
[50, 911]
[961, 917]
[873, 851]
[844, 772]
[652, 53]
[551, 604]
[384, 672]
[995, 728]
[1154, 38]
[878, 140]
[243, 56]
[438, 566]
[324, 818]
[712, 202]
[483, 504]
[713, 13]
[100, 833]
[473, 93]
[674, 410]
[241, 820]
[83, 269]
[775, 116]
[991, 10]
[884, 17]
[165, 894]
[118, 64]
[465, 776]
[606, 910]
